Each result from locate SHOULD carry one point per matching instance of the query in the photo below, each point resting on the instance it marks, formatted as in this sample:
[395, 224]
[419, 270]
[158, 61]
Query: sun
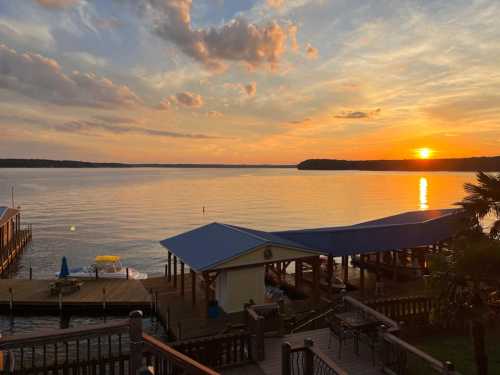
[424, 153]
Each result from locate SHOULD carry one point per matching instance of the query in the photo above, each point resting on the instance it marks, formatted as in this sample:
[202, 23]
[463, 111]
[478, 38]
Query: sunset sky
[267, 81]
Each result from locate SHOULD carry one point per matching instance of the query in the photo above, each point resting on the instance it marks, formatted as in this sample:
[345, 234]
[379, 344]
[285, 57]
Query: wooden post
[259, 338]
[182, 278]
[329, 274]
[11, 300]
[103, 299]
[166, 271]
[207, 291]
[316, 285]
[31, 273]
[298, 273]
[127, 272]
[193, 287]
[60, 301]
[394, 265]
[135, 361]
[345, 267]
[362, 274]
[169, 262]
[286, 349]
[309, 357]
[175, 271]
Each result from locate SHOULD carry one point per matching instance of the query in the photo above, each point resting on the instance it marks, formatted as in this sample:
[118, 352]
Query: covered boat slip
[230, 264]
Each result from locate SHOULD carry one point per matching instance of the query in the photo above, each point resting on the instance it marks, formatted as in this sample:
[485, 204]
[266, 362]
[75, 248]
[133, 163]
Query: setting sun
[424, 153]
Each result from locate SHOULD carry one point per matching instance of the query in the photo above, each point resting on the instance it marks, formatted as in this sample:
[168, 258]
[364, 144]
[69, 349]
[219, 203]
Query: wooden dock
[101, 295]
[10, 253]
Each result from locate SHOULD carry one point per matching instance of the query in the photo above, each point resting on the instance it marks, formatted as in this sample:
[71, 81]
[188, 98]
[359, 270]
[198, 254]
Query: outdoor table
[358, 324]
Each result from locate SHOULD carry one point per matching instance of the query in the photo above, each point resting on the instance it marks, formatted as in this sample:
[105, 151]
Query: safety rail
[307, 360]
[10, 252]
[218, 351]
[119, 348]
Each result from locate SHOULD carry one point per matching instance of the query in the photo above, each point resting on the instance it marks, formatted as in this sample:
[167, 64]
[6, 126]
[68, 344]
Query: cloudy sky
[248, 81]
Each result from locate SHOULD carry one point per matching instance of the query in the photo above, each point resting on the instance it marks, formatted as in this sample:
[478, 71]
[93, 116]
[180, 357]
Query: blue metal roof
[210, 245]
[2, 211]
[403, 231]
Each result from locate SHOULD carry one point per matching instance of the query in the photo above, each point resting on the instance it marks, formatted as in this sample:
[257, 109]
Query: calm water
[127, 211]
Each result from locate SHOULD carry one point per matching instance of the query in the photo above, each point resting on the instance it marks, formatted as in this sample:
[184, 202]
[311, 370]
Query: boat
[106, 267]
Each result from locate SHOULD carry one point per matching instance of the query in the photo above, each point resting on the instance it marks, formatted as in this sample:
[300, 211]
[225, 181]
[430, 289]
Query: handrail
[327, 361]
[392, 325]
[45, 337]
[178, 358]
[439, 365]
[305, 324]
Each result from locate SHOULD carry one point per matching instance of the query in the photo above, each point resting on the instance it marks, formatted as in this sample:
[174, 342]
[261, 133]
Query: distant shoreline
[47, 163]
[485, 164]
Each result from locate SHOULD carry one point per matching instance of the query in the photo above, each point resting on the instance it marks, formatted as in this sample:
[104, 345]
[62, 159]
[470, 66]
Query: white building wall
[235, 287]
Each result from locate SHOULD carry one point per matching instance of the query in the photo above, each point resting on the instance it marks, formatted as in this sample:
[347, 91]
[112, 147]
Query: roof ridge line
[245, 232]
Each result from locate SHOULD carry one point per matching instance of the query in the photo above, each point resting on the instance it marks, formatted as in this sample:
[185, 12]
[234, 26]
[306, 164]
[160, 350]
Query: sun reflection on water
[423, 184]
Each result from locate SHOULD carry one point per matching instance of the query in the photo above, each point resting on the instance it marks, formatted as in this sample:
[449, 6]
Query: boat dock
[94, 296]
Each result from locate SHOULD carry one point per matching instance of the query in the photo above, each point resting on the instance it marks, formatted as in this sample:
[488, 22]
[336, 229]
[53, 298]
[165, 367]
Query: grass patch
[459, 350]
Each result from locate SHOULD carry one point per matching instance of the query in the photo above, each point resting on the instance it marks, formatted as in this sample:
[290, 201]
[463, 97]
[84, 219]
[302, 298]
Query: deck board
[351, 363]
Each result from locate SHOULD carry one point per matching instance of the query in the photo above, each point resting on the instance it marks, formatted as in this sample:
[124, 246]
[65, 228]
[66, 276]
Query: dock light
[72, 228]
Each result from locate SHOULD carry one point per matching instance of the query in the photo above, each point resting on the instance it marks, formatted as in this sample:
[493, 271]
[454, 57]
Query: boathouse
[234, 261]
[10, 224]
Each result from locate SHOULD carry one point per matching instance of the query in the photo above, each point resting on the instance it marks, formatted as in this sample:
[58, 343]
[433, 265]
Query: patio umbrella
[64, 268]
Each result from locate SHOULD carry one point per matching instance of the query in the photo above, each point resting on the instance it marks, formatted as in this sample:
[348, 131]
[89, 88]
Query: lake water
[82, 213]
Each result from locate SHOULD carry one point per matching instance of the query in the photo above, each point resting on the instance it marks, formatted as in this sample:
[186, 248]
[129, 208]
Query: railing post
[259, 338]
[449, 368]
[136, 343]
[308, 357]
[286, 349]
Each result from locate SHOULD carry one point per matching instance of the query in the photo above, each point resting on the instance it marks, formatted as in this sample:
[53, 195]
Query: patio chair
[338, 329]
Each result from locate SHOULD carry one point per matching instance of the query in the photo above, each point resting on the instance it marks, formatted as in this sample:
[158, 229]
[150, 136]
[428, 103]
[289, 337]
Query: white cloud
[42, 78]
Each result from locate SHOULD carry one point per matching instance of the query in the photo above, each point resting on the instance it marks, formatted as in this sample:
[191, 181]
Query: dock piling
[31, 273]
[11, 300]
[104, 299]
[127, 273]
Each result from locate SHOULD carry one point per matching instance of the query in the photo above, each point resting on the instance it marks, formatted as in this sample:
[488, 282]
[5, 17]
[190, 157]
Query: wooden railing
[411, 310]
[9, 253]
[119, 348]
[307, 360]
[396, 356]
[219, 351]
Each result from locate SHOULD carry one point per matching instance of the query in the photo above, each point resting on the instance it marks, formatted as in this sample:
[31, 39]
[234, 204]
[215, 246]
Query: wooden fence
[412, 310]
[119, 348]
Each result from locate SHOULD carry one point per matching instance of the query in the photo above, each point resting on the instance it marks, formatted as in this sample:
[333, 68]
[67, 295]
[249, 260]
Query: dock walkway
[112, 295]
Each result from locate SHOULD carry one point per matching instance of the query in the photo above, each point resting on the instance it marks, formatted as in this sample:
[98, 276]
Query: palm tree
[483, 200]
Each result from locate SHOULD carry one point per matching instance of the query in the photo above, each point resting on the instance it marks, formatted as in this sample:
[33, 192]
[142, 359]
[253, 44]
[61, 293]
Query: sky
[250, 81]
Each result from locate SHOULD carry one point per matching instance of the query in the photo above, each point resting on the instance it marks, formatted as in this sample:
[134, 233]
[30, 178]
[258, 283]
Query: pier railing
[307, 360]
[120, 348]
[10, 252]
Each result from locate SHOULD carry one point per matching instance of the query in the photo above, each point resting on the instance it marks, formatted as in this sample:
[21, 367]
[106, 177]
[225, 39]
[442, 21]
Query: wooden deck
[351, 363]
[94, 295]
[177, 311]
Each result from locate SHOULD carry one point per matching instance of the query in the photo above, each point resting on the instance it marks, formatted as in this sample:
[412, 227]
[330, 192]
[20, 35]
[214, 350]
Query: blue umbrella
[64, 268]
